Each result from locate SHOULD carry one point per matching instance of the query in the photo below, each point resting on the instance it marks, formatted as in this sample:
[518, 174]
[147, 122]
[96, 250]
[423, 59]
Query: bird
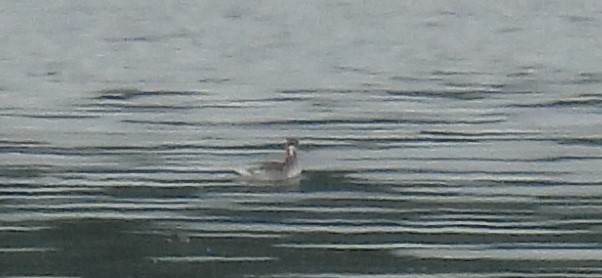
[276, 170]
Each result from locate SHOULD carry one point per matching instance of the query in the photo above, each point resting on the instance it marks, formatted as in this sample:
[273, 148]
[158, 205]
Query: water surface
[453, 139]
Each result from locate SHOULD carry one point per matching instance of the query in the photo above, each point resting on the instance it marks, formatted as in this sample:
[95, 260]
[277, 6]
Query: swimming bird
[276, 170]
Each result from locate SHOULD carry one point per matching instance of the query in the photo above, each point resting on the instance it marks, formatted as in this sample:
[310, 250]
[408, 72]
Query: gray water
[439, 139]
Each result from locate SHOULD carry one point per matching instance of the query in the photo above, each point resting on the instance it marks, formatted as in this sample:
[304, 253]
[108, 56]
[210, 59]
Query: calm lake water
[439, 139]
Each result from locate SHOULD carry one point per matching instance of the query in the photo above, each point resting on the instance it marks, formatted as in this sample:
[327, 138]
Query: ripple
[210, 259]
[26, 250]
[553, 254]
[354, 229]
[131, 93]
[438, 275]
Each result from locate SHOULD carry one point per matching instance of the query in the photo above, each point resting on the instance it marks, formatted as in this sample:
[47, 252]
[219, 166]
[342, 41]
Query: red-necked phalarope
[276, 170]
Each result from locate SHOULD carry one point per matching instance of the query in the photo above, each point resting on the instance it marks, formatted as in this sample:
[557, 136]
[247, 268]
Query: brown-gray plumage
[276, 170]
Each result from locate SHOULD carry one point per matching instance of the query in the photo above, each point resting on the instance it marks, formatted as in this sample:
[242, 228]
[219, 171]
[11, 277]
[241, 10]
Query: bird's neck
[290, 157]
